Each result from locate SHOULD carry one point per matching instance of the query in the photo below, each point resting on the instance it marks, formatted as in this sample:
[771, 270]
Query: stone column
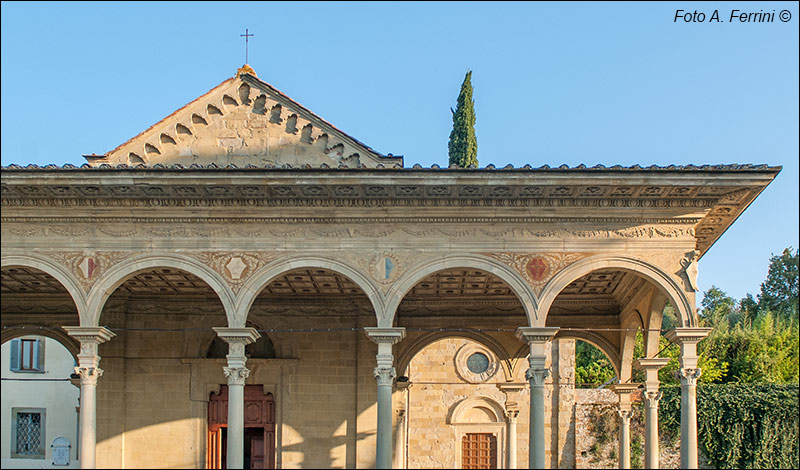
[651, 397]
[237, 373]
[625, 411]
[90, 338]
[385, 374]
[537, 338]
[401, 436]
[687, 339]
[511, 391]
[511, 438]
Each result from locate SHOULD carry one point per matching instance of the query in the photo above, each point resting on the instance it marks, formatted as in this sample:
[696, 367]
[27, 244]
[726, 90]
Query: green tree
[779, 291]
[463, 145]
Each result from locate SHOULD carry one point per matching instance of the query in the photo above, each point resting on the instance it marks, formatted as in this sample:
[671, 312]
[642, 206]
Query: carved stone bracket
[237, 339]
[90, 338]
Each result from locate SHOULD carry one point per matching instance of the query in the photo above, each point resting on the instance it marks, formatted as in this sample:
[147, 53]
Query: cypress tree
[463, 145]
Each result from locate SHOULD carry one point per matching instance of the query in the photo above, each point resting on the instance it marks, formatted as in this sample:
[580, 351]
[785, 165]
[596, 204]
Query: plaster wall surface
[58, 398]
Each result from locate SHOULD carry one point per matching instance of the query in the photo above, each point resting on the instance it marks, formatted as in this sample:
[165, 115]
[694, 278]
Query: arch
[59, 272]
[413, 348]
[595, 339]
[457, 412]
[114, 277]
[30, 329]
[413, 276]
[261, 278]
[665, 283]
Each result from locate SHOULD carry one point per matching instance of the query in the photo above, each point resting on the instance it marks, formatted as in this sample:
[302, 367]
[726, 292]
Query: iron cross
[246, 37]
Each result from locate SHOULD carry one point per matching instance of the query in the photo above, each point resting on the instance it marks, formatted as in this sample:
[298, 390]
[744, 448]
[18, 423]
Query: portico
[195, 256]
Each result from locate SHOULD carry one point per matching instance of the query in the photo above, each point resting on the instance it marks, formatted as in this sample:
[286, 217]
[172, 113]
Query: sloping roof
[244, 121]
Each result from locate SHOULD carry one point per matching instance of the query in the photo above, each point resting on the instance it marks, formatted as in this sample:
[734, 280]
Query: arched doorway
[259, 428]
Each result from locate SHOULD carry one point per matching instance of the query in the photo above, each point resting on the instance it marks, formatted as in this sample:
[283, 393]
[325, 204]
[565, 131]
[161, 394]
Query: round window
[478, 363]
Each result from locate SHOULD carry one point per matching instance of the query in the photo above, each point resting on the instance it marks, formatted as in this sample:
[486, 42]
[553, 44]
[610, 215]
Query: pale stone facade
[47, 390]
[326, 271]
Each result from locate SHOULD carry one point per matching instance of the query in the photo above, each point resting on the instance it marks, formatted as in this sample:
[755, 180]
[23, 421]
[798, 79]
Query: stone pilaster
[537, 339]
[89, 372]
[687, 339]
[237, 373]
[385, 374]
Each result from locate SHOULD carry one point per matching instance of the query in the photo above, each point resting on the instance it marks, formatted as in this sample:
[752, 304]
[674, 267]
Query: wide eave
[708, 197]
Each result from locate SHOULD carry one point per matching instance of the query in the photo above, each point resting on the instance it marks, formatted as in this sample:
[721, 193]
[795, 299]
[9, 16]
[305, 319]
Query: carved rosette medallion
[537, 268]
[236, 268]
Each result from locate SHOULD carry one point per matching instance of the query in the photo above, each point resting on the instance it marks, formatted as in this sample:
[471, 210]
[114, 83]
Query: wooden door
[479, 450]
[259, 423]
[214, 448]
[257, 451]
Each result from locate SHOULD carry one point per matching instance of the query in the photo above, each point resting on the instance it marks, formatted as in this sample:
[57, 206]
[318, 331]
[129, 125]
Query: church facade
[244, 285]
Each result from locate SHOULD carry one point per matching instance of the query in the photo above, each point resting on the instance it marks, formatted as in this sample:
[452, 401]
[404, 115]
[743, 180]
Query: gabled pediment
[244, 121]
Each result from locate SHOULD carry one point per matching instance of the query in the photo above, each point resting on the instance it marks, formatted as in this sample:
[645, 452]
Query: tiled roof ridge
[490, 167]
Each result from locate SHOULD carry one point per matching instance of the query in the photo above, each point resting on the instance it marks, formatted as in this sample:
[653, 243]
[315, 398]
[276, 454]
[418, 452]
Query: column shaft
[237, 373]
[90, 338]
[688, 338]
[689, 417]
[625, 439]
[88, 424]
[384, 375]
[235, 426]
[383, 454]
[651, 430]
[511, 447]
[536, 458]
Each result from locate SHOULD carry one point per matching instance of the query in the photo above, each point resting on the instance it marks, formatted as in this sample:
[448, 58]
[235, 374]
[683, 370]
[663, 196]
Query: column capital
[236, 375]
[385, 335]
[537, 376]
[88, 375]
[511, 415]
[530, 334]
[687, 335]
[385, 375]
[652, 397]
[625, 414]
[689, 375]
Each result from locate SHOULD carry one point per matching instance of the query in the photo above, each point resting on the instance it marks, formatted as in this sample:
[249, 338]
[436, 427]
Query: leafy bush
[740, 426]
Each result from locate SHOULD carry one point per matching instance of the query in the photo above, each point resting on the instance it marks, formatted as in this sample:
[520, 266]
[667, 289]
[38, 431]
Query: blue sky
[555, 83]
